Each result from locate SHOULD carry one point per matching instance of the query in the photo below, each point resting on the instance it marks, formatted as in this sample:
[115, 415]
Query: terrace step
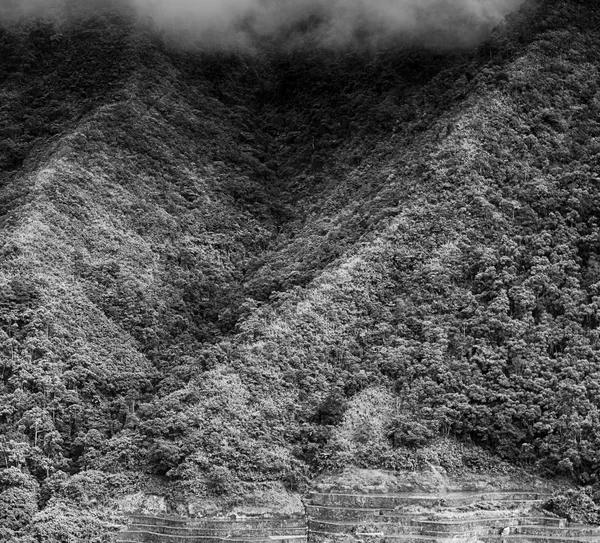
[156, 537]
[541, 539]
[424, 526]
[393, 529]
[329, 512]
[225, 531]
[394, 501]
[471, 522]
[571, 531]
[322, 537]
[218, 523]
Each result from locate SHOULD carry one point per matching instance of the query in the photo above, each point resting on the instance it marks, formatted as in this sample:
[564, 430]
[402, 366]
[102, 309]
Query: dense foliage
[576, 505]
[227, 271]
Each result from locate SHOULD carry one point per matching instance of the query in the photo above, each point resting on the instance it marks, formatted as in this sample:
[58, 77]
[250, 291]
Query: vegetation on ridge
[232, 272]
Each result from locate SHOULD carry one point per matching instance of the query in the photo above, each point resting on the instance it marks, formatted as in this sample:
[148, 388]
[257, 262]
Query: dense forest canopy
[222, 272]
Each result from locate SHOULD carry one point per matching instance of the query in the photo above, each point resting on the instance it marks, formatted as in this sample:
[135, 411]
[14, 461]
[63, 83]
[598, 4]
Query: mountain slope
[228, 272]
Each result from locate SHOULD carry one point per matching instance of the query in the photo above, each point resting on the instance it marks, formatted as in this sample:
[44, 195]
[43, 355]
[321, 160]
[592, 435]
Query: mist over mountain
[324, 23]
[333, 23]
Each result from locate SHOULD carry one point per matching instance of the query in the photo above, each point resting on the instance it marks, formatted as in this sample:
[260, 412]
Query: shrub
[17, 508]
[576, 505]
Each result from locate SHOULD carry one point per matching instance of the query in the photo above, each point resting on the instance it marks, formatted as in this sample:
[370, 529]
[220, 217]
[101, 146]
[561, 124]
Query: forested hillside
[222, 273]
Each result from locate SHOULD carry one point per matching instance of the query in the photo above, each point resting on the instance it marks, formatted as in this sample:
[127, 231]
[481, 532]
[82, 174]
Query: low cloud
[327, 23]
[330, 23]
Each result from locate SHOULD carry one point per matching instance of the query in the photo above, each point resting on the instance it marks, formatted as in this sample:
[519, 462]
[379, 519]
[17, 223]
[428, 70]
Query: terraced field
[369, 517]
[438, 517]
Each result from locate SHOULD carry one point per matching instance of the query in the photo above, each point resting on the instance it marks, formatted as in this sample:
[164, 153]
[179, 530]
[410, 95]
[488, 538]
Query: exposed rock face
[146, 503]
